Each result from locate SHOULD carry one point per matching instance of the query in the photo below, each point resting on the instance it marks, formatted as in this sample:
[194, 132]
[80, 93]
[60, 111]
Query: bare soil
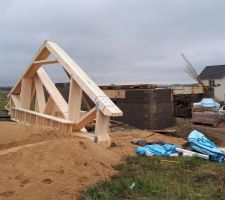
[38, 164]
[216, 134]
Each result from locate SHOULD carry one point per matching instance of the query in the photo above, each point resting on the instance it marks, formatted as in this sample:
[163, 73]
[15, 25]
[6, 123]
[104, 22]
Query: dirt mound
[44, 164]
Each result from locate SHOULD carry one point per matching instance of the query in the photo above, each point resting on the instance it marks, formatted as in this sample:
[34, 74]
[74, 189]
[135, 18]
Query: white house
[214, 76]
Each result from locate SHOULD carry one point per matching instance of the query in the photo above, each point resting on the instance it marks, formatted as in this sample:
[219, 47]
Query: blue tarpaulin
[209, 103]
[200, 143]
[157, 150]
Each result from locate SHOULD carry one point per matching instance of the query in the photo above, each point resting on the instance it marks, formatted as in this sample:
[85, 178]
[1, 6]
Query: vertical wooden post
[40, 96]
[26, 93]
[102, 127]
[50, 108]
[74, 104]
[36, 105]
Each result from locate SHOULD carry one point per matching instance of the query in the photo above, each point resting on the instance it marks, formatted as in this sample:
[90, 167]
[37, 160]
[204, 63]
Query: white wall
[219, 91]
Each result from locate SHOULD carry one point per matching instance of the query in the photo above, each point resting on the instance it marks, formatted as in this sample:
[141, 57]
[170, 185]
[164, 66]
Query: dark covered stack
[183, 104]
[147, 108]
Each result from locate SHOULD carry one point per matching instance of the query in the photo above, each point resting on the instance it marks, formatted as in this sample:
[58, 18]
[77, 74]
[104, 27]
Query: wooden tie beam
[54, 111]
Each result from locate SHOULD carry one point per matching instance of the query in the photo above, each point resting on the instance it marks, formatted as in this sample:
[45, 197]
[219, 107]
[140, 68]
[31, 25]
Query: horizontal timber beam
[45, 62]
[44, 116]
[115, 94]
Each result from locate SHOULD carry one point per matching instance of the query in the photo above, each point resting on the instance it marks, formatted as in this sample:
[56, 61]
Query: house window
[211, 83]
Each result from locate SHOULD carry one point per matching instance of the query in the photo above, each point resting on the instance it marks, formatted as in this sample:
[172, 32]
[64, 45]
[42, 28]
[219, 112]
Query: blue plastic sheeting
[157, 150]
[209, 103]
[203, 145]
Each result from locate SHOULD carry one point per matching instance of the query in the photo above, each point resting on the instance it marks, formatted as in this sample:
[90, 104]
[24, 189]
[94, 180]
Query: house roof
[213, 72]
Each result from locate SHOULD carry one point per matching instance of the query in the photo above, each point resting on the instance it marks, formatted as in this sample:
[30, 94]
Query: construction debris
[139, 142]
[205, 148]
[187, 153]
[164, 131]
[203, 145]
[157, 150]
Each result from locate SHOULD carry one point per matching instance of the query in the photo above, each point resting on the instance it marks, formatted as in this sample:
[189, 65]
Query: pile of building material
[146, 108]
[202, 147]
[206, 112]
[183, 104]
[183, 98]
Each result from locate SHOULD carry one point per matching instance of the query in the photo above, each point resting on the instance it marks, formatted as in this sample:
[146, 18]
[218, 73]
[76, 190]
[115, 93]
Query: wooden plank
[164, 131]
[50, 107]
[16, 100]
[53, 92]
[86, 119]
[45, 62]
[44, 116]
[115, 94]
[102, 127]
[26, 93]
[187, 90]
[84, 100]
[74, 105]
[128, 87]
[82, 79]
[40, 96]
[36, 105]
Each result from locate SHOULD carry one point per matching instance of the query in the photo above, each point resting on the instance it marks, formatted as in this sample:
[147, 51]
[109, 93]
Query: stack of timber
[147, 108]
[126, 87]
[50, 107]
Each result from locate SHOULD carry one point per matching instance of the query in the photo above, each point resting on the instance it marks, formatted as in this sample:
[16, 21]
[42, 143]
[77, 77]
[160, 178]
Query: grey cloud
[115, 41]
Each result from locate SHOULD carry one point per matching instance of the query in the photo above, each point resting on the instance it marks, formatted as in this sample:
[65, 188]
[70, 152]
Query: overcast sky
[115, 41]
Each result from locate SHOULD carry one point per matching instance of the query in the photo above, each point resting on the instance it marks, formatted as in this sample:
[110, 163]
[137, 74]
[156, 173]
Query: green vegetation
[3, 99]
[159, 178]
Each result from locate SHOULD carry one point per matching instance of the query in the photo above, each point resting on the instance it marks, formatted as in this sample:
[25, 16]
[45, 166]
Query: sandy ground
[41, 164]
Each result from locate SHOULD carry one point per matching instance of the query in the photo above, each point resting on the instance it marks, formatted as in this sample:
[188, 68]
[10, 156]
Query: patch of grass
[186, 178]
[3, 99]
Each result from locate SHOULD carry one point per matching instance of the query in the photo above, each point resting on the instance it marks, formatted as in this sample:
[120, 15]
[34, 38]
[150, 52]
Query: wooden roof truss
[56, 111]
